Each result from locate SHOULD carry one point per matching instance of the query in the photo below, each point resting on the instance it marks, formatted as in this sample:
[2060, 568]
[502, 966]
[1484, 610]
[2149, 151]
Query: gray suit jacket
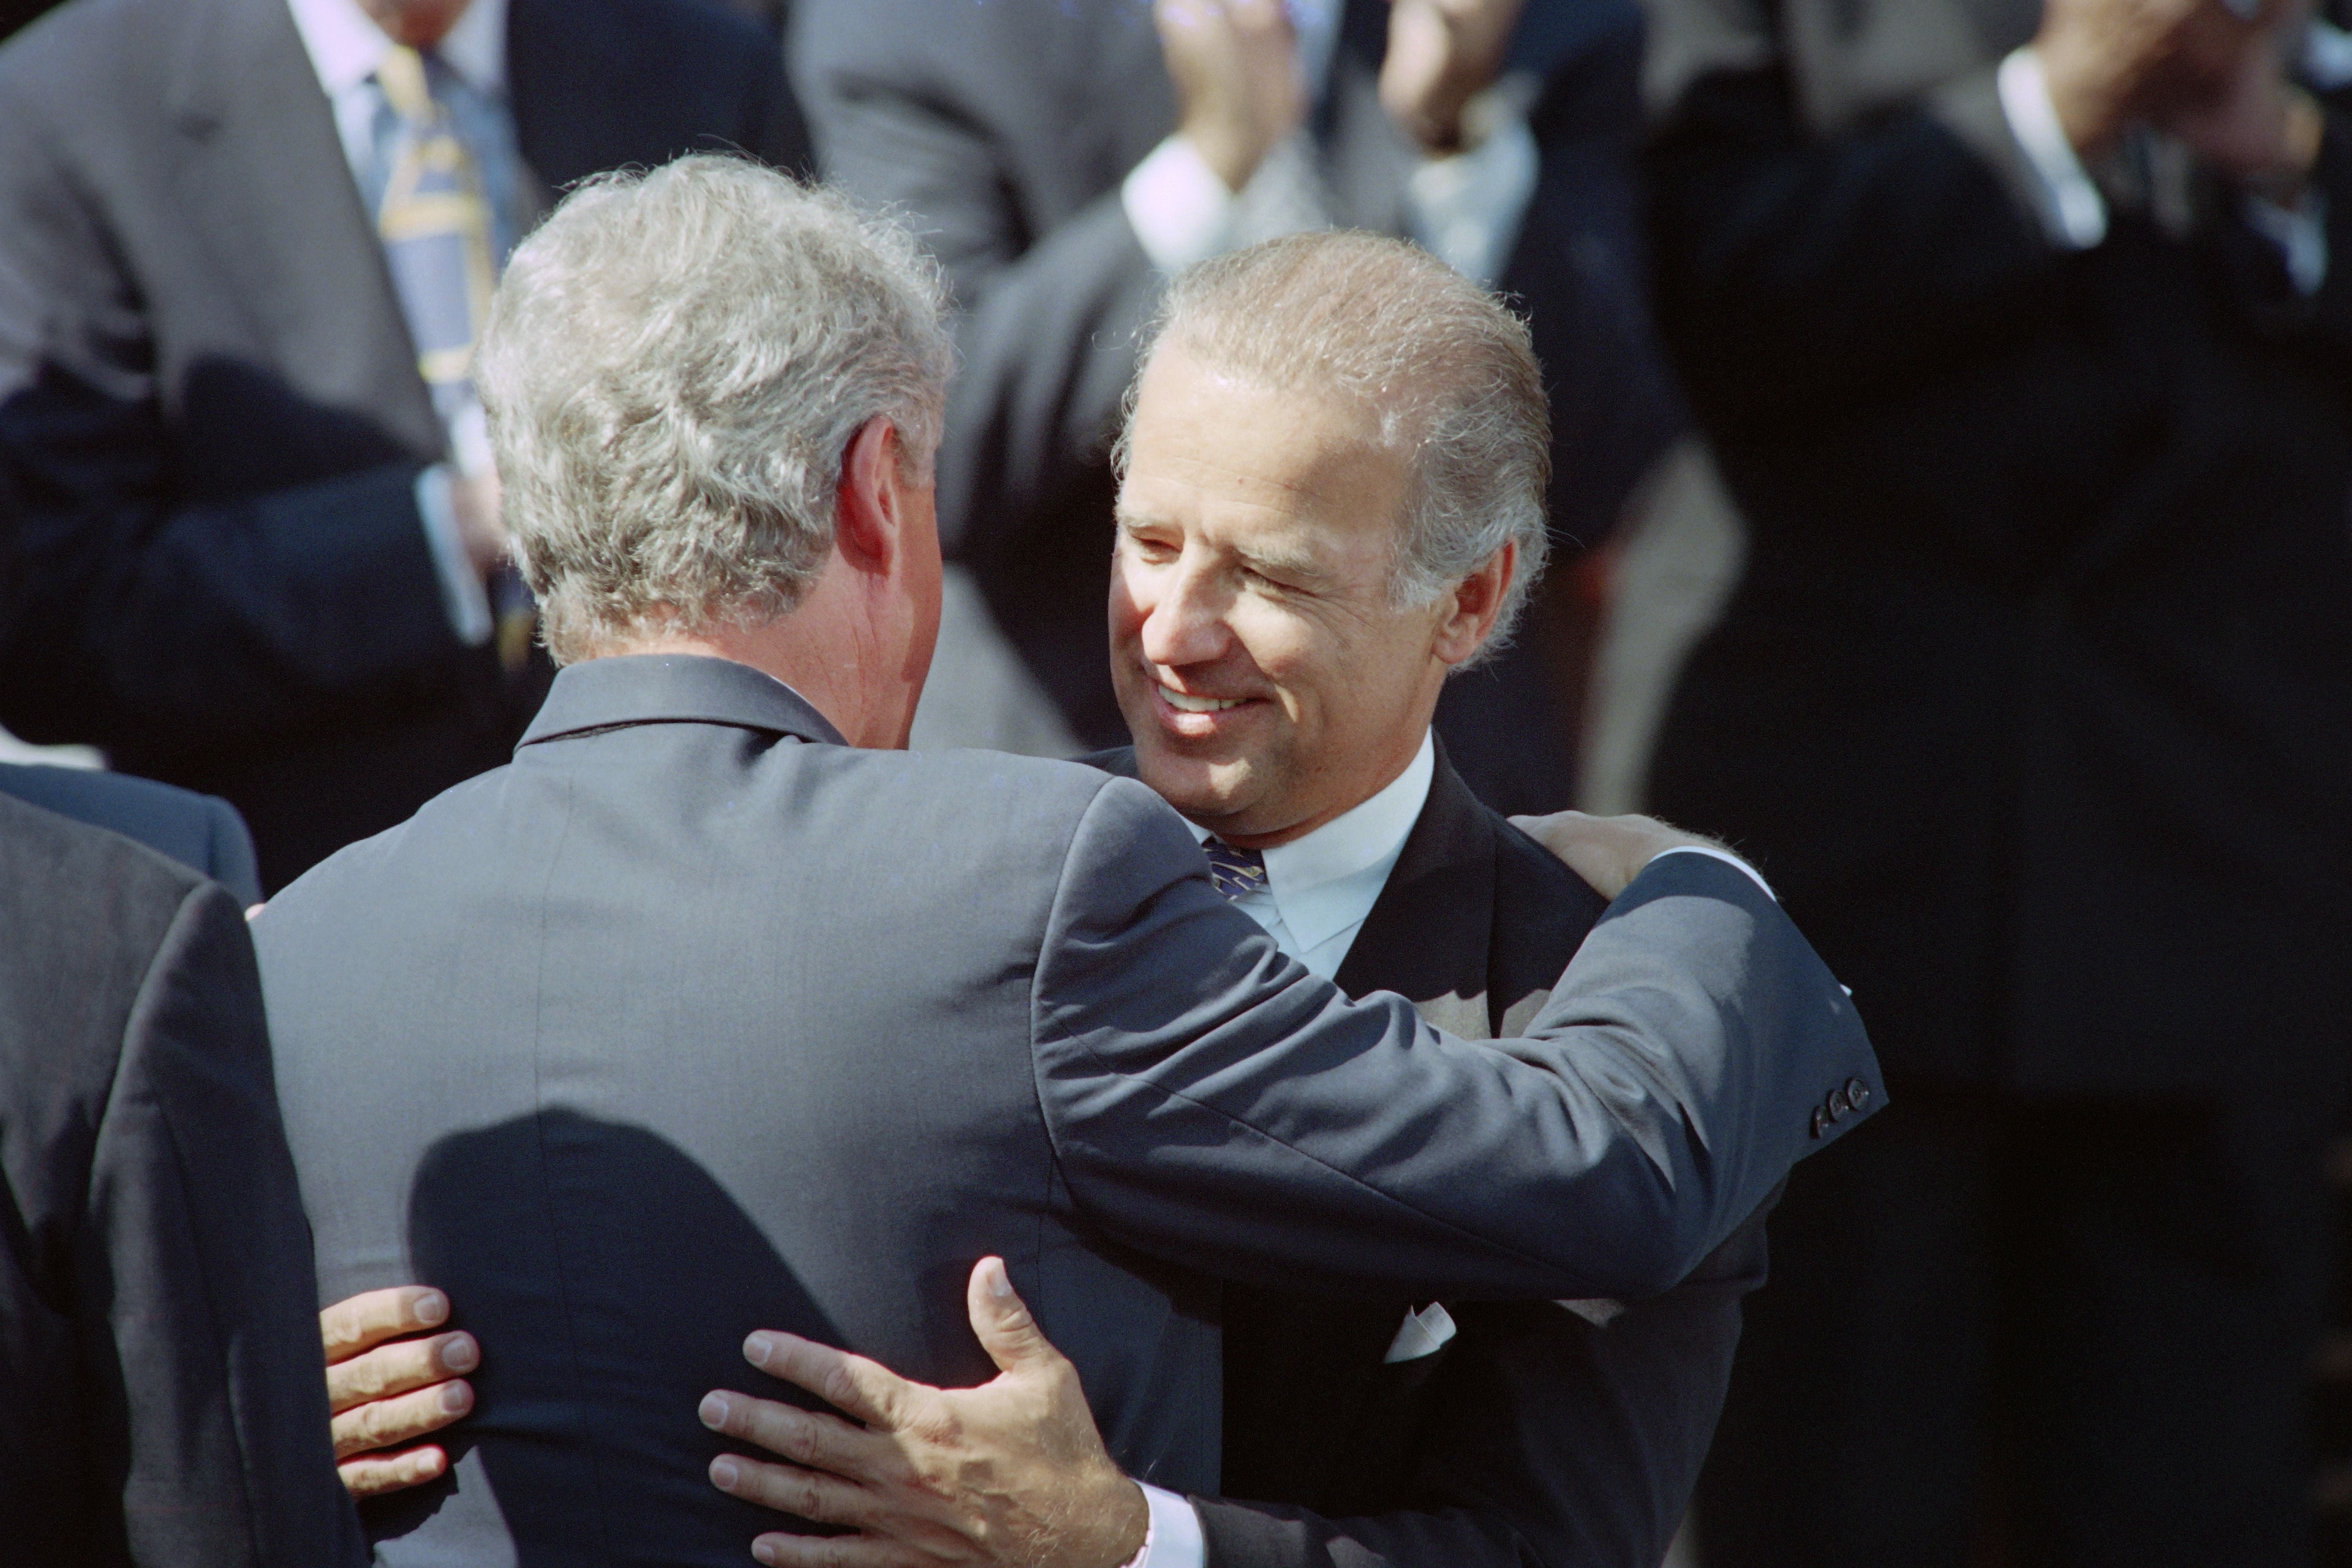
[210, 408]
[159, 1336]
[694, 1020]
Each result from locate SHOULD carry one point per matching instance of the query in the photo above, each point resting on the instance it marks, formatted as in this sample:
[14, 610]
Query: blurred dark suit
[1539, 1434]
[203, 832]
[1005, 130]
[212, 407]
[2036, 704]
[159, 1333]
[695, 1020]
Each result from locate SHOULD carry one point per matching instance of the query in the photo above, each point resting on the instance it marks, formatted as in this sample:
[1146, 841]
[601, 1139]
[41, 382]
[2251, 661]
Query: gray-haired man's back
[691, 1022]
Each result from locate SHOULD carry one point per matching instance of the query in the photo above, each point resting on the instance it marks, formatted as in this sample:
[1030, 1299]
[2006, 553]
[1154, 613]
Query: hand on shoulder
[1608, 852]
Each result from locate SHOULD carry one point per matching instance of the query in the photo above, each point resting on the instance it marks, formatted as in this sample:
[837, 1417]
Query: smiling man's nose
[1186, 624]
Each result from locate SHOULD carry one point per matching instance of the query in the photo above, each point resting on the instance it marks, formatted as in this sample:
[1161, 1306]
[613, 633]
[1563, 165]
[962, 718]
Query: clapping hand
[1235, 67]
[2195, 68]
[1440, 54]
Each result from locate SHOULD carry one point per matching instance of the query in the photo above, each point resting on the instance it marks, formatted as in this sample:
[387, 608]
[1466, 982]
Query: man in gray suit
[713, 1012]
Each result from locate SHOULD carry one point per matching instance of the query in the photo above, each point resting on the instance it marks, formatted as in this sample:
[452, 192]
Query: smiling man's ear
[1471, 606]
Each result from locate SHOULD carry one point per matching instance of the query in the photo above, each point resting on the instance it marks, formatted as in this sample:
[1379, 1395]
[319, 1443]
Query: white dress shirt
[1466, 209]
[1320, 888]
[345, 47]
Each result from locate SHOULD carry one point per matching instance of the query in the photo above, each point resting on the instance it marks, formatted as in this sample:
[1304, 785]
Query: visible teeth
[1184, 702]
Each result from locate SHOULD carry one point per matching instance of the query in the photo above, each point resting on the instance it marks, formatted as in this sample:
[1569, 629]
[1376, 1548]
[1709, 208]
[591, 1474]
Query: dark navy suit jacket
[694, 1020]
[201, 831]
[159, 1332]
[1570, 1437]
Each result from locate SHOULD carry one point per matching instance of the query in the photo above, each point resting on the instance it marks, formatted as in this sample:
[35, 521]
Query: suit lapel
[1428, 936]
[267, 185]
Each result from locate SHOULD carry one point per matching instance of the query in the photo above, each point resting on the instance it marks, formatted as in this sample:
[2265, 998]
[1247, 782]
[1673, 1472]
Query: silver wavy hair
[1447, 367]
[673, 366]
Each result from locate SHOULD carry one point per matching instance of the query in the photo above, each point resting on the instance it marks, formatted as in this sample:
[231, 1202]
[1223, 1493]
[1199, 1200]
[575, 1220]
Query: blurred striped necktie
[434, 221]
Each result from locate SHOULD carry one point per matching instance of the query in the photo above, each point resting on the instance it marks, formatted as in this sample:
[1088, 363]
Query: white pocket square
[1598, 1311]
[1422, 1333]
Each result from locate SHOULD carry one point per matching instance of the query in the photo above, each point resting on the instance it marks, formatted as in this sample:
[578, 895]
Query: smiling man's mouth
[1185, 702]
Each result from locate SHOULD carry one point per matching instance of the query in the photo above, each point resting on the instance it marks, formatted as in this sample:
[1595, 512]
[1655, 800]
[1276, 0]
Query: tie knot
[1236, 872]
[406, 83]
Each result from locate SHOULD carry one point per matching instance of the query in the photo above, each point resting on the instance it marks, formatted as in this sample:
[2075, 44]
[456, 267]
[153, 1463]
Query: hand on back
[392, 1379]
[1012, 1473]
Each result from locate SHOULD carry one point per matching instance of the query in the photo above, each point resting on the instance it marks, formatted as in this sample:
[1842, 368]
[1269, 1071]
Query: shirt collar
[1329, 879]
[345, 45]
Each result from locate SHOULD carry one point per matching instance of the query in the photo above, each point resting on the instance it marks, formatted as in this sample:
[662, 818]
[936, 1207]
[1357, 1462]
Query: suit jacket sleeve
[193, 1278]
[1046, 321]
[294, 596]
[1213, 1102]
[1788, 265]
[1552, 1440]
[1791, 267]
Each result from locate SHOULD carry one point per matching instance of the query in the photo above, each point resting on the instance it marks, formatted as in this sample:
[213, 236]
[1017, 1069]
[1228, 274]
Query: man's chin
[1202, 787]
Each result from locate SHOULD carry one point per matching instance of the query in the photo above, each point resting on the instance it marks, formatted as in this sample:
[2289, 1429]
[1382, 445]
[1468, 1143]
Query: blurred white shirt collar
[345, 45]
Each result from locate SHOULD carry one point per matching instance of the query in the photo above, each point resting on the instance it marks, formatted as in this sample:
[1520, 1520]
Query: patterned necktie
[435, 223]
[1236, 872]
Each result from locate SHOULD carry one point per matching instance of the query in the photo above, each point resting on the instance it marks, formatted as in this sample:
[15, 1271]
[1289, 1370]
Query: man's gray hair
[673, 368]
[1445, 367]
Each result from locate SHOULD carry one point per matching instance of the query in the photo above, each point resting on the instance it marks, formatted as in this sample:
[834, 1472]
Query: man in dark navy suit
[1364, 1429]
[159, 1360]
[259, 520]
[204, 832]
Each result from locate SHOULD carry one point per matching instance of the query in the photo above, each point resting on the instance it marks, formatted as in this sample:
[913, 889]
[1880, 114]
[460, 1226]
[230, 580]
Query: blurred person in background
[245, 248]
[1065, 160]
[2020, 338]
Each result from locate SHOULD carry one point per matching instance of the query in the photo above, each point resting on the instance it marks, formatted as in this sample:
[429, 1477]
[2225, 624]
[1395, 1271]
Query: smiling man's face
[1268, 677]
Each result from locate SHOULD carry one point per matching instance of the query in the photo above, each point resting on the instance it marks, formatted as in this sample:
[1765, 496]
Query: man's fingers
[864, 1389]
[374, 1475]
[384, 1423]
[839, 1551]
[398, 1367]
[805, 1437]
[1001, 1319]
[788, 1488]
[363, 1321]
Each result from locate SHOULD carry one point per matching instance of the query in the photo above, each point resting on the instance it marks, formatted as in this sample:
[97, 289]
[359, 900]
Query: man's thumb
[1002, 1318]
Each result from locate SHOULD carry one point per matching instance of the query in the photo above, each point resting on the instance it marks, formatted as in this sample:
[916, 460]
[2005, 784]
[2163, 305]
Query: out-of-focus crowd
[1951, 413]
